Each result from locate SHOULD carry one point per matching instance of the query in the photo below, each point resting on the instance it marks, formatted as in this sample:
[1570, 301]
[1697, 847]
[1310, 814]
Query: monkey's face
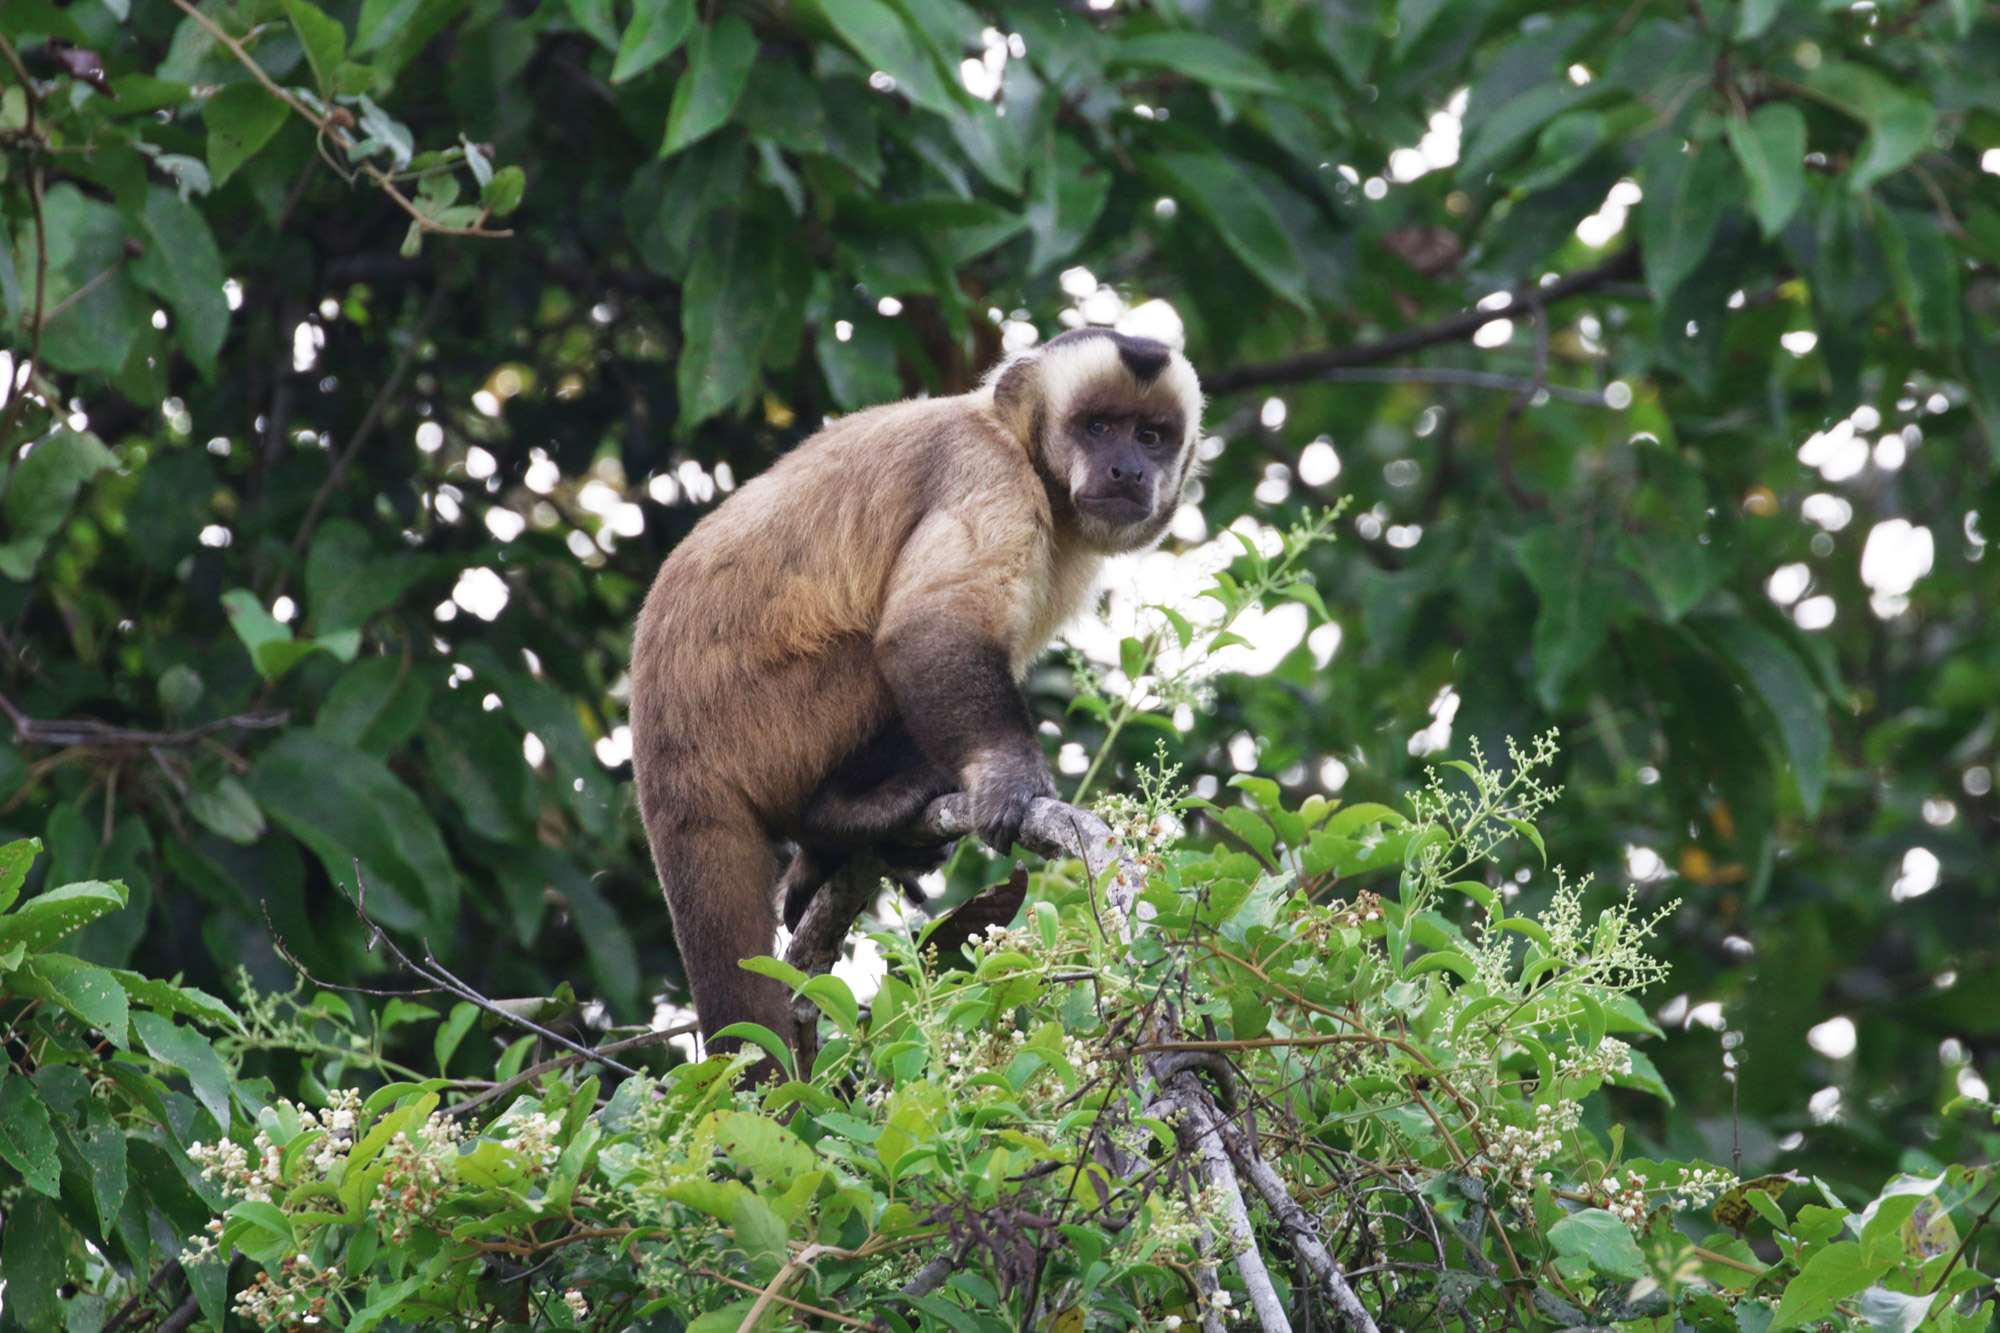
[1125, 468]
[1115, 419]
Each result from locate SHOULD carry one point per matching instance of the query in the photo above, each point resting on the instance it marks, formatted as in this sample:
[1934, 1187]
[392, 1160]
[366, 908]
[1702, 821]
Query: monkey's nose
[1128, 474]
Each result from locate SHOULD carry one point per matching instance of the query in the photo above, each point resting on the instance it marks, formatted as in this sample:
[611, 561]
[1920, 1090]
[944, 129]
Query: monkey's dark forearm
[958, 698]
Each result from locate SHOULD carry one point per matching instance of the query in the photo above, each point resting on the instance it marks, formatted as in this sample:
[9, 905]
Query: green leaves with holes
[26, 1142]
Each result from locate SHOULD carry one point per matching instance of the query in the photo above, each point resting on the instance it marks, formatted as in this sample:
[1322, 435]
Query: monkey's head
[1112, 422]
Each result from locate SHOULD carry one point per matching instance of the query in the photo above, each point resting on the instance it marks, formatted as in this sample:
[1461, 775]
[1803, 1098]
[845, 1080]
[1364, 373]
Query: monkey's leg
[717, 869]
[812, 866]
[840, 820]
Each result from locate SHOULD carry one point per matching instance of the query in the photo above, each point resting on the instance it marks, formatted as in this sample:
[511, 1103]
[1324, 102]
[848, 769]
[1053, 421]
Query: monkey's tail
[719, 873]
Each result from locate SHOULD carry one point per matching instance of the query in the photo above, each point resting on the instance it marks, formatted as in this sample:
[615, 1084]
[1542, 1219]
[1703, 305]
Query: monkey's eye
[1099, 427]
[1148, 435]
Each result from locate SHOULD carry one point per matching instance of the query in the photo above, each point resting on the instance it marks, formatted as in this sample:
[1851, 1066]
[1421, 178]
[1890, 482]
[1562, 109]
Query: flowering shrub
[1414, 1086]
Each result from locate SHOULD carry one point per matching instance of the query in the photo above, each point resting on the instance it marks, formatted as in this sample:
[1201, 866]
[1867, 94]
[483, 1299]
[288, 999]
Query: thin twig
[561, 1062]
[1959, 1253]
[821, 1311]
[1470, 379]
[1503, 439]
[325, 127]
[37, 731]
[1456, 328]
[103, 276]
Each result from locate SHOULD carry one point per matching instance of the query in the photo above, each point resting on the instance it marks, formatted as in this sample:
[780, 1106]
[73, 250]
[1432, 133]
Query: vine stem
[324, 125]
[1959, 1253]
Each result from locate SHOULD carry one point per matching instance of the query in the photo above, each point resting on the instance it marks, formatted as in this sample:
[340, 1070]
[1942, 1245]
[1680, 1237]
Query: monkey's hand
[1001, 791]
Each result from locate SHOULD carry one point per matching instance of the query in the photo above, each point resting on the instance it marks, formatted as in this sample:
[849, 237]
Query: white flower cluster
[1611, 1059]
[967, 1054]
[534, 1138]
[296, 1297]
[230, 1164]
[1515, 1152]
[1625, 1202]
[1699, 1188]
[579, 1308]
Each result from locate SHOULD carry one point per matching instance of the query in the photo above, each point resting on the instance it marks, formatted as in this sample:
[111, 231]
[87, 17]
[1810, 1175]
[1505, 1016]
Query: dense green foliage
[323, 495]
[1006, 1118]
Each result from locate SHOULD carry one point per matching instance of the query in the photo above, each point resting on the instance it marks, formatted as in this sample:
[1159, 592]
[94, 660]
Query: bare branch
[82, 731]
[1456, 328]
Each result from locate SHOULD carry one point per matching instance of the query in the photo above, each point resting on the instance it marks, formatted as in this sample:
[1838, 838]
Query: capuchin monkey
[841, 641]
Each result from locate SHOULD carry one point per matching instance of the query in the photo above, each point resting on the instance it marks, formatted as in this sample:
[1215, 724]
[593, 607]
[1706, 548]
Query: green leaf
[835, 1000]
[718, 66]
[502, 194]
[101, 1144]
[325, 42]
[880, 37]
[229, 809]
[1576, 596]
[50, 916]
[1685, 197]
[182, 264]
[34, 1262]
[773, 1154]
[742, 278]
[762, 1037]
[1895, 1311]
[1781, 680]
[1532, 834]
[26, 1142]
[1601, 1239]
[597, 17]
[1770, 146]
[347, 806]
[1755, 17]
[188, 1051]
[1834, 1274]
[1251, 828]
[1204, 59]
[444, 1042]
[16, 859]
[167, 998]
[1498, 134]
[40, 493]
[1214, 187]
[241, 119]
[1899, 125]
[90, 992]
[1924, 272]
[657, 29]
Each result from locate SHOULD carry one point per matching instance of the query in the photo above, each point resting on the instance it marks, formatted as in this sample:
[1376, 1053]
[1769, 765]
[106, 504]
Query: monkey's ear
[1018, 400]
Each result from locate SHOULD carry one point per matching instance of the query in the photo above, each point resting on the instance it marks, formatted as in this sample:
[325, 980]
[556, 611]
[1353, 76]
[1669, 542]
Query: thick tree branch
[1457, 328]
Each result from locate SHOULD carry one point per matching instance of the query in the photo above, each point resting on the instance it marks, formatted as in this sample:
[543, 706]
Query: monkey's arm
[945, 646]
